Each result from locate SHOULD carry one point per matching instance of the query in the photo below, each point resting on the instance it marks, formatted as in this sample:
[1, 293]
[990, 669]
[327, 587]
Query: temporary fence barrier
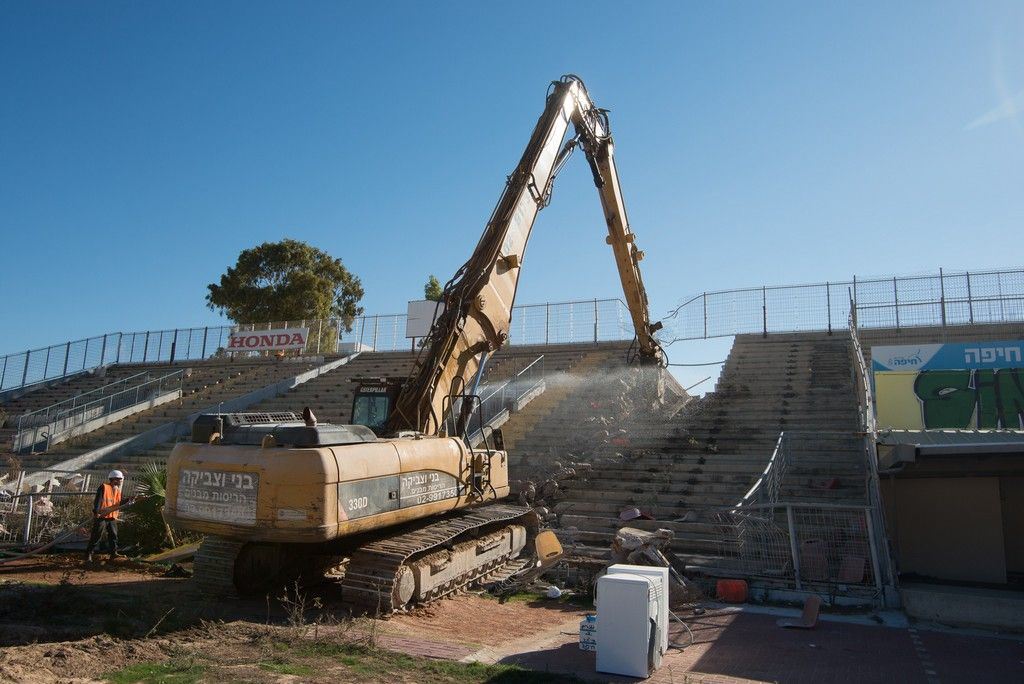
[34, 514]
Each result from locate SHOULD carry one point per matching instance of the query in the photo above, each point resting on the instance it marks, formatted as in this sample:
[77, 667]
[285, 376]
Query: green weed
[165, 673]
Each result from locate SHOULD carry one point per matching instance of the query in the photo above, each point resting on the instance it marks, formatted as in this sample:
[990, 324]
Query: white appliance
[628, 642]
[661, 574]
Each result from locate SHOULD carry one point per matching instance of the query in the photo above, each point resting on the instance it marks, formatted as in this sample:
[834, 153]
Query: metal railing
[592, 320]
[43, 415]
[38, 430]
[767, 487]
[869, 426]
[500, 399]
[943, 299]
[494, 400]
[56, 361]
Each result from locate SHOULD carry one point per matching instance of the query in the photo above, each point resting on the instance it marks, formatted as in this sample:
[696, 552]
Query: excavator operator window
[371, 410]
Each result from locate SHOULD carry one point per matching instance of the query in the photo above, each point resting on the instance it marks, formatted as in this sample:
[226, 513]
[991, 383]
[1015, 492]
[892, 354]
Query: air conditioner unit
[661, 574]
[628, 639]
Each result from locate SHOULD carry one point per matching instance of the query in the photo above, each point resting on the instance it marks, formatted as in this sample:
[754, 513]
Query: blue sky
[143, 145]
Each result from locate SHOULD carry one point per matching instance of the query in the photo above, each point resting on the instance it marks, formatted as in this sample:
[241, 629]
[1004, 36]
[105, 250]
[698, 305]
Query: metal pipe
[942, 297]
[896, 299]
[792, 547]
[875, 568]
[28, 519]
[828, 306]
[705, 315]
[547, 322]
[764, 312]
[970, 303]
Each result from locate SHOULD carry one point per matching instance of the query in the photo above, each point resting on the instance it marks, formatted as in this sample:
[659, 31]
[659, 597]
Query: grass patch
[372, 662]
[165, 673]
[578, 599]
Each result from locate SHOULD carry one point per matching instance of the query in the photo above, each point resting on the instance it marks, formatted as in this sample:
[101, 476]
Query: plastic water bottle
[588, 633]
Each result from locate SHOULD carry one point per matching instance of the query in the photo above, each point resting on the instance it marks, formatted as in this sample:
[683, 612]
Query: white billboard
[420, 317]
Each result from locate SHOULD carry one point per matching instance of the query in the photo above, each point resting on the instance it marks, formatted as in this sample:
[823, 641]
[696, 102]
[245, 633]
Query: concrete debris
[632, 545]
[641, 547]
[42, 506]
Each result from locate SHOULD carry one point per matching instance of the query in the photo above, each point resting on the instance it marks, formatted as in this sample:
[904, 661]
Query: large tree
[286, 281]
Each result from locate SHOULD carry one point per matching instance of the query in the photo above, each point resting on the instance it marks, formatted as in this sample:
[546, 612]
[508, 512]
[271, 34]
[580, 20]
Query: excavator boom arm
[478, 300]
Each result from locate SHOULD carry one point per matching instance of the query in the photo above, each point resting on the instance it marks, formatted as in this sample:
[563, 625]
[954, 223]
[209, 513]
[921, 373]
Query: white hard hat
[115, 473]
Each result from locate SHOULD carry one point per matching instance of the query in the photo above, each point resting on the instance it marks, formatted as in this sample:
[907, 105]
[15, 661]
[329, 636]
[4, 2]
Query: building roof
[904, 446]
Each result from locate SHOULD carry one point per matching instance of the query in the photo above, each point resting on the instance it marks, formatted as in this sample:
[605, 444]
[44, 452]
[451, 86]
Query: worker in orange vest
[105, 509]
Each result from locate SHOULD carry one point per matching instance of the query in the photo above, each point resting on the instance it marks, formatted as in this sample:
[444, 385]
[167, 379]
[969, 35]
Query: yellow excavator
[403, 509]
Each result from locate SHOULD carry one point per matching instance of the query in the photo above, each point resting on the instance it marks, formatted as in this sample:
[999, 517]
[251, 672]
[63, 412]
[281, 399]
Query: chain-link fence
[57, 361]
[942, 299]
[594, 320]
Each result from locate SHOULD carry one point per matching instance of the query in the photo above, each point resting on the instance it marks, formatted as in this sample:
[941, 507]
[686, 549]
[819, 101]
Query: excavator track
[378, 578]
[214, 565]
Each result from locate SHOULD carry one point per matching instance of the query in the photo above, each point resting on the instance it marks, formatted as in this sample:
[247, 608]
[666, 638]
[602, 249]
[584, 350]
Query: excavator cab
[373, 402]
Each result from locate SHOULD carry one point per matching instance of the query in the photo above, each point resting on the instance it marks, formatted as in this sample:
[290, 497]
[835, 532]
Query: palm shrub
[146, 526]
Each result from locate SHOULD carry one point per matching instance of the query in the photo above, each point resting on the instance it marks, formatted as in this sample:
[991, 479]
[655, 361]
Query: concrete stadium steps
[710, 454]
[207, 385]
[330, 395]
[666, 502]
[44, 396]
[547, 422]
[741, 473]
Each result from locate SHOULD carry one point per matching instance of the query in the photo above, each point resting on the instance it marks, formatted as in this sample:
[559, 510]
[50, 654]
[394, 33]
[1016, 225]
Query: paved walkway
[743, 647]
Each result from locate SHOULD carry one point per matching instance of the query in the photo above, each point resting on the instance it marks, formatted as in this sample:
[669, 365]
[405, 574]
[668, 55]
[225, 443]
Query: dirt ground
[64, 621]
[121, 622]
